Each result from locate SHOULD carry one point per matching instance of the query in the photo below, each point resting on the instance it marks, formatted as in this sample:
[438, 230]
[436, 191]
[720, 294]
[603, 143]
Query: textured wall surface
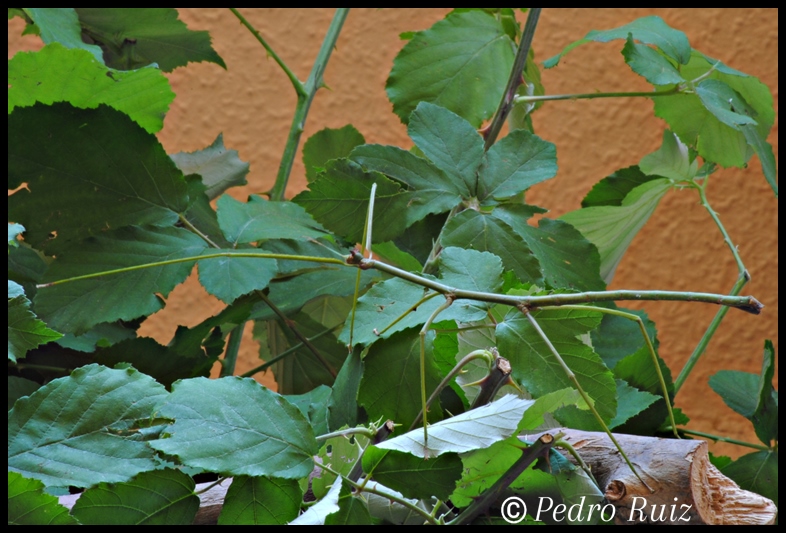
[679, 249]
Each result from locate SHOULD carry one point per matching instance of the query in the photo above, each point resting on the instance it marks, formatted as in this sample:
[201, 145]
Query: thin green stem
[296, 83]
[195, 230]
[424, 403]
[514, 80]
[477, 354]
[590, 96]
[304, 99]
[572, 451]
[743, 278]
[587, 399]
[411, 308]
[233, 347]
[366, 432]
[635, 318]
[717, 438]
[287, 352]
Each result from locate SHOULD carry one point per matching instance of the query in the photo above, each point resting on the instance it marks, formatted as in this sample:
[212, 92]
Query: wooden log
[688, 489]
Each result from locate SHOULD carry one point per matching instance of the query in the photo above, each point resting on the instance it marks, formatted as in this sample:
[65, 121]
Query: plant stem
[423, 331]
[540, 448]
[195, 230]
[304, 98]
[590, 96]
[366, 432]
[742, 279]
[233, 346]
[296, 83]
[507, 102]
[724, 439]
[587, 399]
[288, 351]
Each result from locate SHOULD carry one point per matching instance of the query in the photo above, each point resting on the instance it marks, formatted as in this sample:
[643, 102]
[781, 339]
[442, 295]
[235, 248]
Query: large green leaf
[460, 63]
[261, 501]
[81, 430]
[649, 30]
[430, 189]
[536, 367]
[101, 335]
[413, 476]
[738, 390]
[160, 497]
[613, 189]
[56, 74]
[339, 199]
[450, 142]
[237, 427]
[672, 160]
[260, 219]
[61, 25]
[630, 402]
[328, 144]
[29, 505]
[25, 331]
[481, 232]
[612, 228]
[343, 404]
[566, 257]
[314, 406]
[77, 306]
[707, 120]
[352, 509]
[133, 38]
[317, 513]
[483, 467]
[18, 387]
[618, 337]
[220, 168]
[650, 64]
[756, 472]
[390, 388]
[87, 170]
[514, 164]
[226, 278]
[470, 269]
[473, 430]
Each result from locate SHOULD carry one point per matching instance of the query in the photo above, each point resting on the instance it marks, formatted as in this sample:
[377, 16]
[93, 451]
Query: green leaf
[430, 189]
[535, 418]
[473, 430]
[317, 513]
[698, 125]
[15, 289]
[650, 64]
[338, 199]
[101, 335]
[94, 439]
[313, 404]
[77, 306]
[566, 257]
[25, 331]
[89, 170]
[19, 387]
[756, 472]
[763, 149]
[353, 510]
[613, 189]
[200, 213]
[483, 467]
[612, 228]
[390, 511]
[390, 388]
[261, 501]
[165, 364]
[132, 38]
[460, 63]
[227, 278]
[328, 144]
[56, 74]
[161, 497]
[738, 390]
[450, 142]
[514, 164]
[672, 160]
[413, 476]
[649, 30]
[343, 404]
[237, 427]
[535, 366]
[340, 454]
[391, 254]
[61, 25]
[481, 232]
[765, 419]
[470, 269]
[29, 505]
[577, 490]
[630, 402]
[260, 219]
[617, 337]
[220, 168]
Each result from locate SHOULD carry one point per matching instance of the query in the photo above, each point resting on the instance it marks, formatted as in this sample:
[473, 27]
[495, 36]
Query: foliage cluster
[103, 224]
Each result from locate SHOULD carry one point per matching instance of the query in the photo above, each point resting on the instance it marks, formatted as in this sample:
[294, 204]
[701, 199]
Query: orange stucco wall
[679, 249]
